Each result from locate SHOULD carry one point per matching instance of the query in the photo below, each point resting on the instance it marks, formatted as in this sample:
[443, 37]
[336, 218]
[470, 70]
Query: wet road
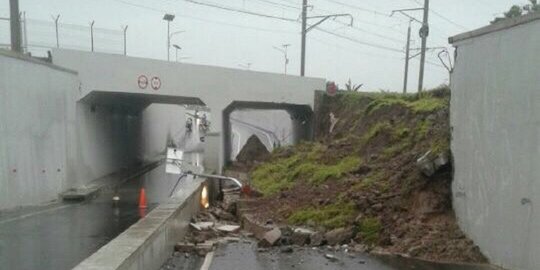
[62, 235]
[242, 255]
[237, 256]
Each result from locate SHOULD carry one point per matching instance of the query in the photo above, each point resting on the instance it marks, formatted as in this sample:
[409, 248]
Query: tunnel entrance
[122, 130]
[268, 121]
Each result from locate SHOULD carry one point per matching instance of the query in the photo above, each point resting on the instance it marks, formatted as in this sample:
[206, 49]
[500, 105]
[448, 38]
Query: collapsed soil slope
[362, 174]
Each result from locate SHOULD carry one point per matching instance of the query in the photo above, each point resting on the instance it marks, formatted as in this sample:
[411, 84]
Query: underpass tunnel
[124, 130]
[275, 124]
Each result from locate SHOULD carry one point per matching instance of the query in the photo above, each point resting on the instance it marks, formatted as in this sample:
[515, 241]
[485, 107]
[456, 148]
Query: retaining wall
[495, 116]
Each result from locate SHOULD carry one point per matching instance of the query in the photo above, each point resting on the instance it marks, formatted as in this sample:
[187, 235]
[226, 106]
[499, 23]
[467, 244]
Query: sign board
[155, 83]
[174, 160]
[331, 89]
[142, 81]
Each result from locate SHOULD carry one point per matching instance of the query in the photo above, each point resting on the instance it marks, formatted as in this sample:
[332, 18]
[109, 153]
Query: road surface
[60, 236]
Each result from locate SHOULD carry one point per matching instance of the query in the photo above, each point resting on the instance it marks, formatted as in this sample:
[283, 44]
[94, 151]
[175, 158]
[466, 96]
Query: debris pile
[379, 182]
[208, 229]
[253, 151]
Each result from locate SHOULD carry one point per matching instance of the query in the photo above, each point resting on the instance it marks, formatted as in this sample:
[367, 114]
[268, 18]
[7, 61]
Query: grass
[282, 173]
[418, 104]
[369, 230]
[330, 216]
[376, 130]
[375, 179]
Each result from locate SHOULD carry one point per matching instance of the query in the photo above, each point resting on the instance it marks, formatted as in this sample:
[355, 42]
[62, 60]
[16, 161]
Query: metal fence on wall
[39, 36]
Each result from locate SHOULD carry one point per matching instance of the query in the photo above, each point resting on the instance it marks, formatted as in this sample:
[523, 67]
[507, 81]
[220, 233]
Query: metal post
[125, 31]
[168, 40]
[92, 34]
[56, 27]
[15, 26]
[424, 32]
[25, 35]
[285, 46]
[304, 32]
[407, 52]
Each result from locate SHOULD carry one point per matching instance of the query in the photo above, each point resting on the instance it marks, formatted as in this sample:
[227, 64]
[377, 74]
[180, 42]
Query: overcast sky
[370, 53]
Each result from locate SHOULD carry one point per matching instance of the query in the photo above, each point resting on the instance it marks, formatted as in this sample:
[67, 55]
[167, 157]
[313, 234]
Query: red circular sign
[155, 83]
[331, 88]
[142, 81]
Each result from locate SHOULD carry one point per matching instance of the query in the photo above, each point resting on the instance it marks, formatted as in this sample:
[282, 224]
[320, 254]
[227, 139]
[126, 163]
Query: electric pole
[407, 52]
[424, 33]
[304, 32]
[92, 35]
[15, 26]
[306, 29]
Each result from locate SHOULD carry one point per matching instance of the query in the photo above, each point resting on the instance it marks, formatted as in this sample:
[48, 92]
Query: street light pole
[177, 48]
[285, 54]
[125, 35]
[92, 34]
[56, 28]
[169, 18]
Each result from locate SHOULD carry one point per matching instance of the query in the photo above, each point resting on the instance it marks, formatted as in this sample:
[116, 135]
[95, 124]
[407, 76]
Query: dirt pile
[363, 180]
[253, 151]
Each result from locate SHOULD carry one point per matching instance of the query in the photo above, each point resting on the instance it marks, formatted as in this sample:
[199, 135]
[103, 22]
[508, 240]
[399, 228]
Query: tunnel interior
[124, 130]
[267, 127]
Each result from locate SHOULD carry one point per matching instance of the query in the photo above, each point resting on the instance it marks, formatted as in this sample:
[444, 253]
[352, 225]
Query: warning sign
[142, 81]
[155, 83]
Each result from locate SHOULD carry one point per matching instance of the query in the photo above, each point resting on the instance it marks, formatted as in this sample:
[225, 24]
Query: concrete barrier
[148, 243]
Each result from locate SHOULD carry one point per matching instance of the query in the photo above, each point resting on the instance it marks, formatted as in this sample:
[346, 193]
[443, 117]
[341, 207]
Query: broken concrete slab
[228, 228]
[202, 226]
[270, 238]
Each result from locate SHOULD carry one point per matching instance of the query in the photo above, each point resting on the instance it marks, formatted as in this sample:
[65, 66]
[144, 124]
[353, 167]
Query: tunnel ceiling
[136, 101]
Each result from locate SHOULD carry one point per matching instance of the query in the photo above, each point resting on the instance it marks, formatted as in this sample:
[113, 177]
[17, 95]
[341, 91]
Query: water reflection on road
[62, 235]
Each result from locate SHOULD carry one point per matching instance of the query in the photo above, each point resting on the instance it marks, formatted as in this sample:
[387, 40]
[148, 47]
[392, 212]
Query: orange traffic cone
[142, 199]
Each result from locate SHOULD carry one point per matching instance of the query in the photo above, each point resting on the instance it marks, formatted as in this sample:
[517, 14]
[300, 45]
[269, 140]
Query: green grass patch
[325, 172]
[375, 179]
[280, 174]
[428, 104]
[330, 216]
[376, 130]
[422, 128]
[274, 176]
[369, 230]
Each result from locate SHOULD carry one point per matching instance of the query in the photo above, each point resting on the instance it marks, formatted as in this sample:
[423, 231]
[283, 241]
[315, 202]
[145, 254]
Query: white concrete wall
[495, 115]
[48, 141]
[216, 87]
[34, 102]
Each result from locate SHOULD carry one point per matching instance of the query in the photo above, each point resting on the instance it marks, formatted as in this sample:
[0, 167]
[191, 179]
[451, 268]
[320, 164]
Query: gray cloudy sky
[369, 54]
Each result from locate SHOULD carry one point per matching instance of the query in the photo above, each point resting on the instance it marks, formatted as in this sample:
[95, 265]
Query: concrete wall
[34, 106]
[495, 115]
[150, 242]
[49, 141]
[216, 87]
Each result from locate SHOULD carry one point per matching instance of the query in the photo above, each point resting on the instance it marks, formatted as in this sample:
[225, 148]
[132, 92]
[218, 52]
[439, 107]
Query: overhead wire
[438, 14]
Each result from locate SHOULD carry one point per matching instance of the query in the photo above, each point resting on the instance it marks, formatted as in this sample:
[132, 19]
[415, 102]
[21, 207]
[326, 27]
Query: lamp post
[284, 51]
[169, 18]
[177, 48]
